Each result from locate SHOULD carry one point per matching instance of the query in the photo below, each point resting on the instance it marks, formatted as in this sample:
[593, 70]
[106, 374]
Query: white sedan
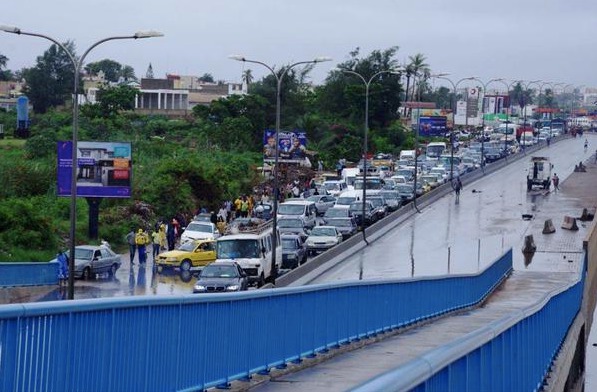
[199, 230]
[323, 238]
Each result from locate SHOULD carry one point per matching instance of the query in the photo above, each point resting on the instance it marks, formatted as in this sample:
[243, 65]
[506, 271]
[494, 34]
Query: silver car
[322, 203]
[91, 260]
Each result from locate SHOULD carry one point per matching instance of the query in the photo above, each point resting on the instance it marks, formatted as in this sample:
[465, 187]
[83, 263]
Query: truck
[539, 173]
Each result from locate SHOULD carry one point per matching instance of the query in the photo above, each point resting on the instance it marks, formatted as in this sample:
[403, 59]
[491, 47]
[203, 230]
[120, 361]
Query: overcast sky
[551, 40]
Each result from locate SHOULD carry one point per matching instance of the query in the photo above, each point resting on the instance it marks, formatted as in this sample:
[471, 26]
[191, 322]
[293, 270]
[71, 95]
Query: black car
[381, 208]
[294, 251]
[493, 154]
[221, 277]
[356, 209]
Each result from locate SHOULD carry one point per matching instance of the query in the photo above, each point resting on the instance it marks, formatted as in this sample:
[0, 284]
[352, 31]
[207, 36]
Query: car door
[107, 258]
[204, 254]
[97, 262]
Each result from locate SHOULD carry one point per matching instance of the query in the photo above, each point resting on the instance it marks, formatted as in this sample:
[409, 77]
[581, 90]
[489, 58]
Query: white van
[435, 150]
[349, 175]
[407, 155]
[334, 187]
[299, 208]
[252, 249]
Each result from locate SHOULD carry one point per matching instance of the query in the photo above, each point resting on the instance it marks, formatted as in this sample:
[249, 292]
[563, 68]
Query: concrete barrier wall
[590, 296]
[28, 274]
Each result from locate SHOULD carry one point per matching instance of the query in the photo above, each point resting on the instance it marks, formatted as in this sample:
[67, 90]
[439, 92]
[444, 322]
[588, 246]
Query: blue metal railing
[28, 274]
[514, 353]
[195, 342]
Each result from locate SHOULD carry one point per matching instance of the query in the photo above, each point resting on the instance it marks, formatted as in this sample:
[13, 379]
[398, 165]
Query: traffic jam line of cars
[307, 226]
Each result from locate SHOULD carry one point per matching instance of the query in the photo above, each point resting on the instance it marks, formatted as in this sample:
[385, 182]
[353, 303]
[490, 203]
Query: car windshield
[188, 246]
[336, 212]
[345, 201]
[339, 222]
[83, 254]
[331, 186]
[429, 178]
[203, 228]
[219, 271]
[237, 248]
[321, 231]
[289, 243]
[405, 188]
[390, 195]
[372, 183]
[294, 223]
[291, 209]
[314, 198]
[376, 201]
[358, 207]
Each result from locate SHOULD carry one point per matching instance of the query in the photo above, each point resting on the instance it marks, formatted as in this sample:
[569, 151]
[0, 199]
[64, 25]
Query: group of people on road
[162, 237]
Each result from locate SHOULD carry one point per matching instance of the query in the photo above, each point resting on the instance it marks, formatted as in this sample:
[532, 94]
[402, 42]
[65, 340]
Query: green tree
[207, 78]
[111, 100]
[420, 70]
[344, 93]
[5, 74]
[111, 69]
[248, 77]
[128, 73]
[51, 81]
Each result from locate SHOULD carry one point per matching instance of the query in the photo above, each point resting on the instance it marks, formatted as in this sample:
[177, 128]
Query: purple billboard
[291, 145]
[104, 169]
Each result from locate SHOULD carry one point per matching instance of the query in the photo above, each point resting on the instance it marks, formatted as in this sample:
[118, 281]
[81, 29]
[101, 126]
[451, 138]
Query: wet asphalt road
[465, 236]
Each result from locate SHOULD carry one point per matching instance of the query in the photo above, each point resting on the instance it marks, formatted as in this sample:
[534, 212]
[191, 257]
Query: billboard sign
[104, 169]
[433, 126]
[292, 146]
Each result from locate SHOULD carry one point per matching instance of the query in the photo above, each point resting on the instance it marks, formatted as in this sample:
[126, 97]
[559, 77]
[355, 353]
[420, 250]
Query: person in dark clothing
[130, 239]
[171, 234]
[213, 218]
[457, 188]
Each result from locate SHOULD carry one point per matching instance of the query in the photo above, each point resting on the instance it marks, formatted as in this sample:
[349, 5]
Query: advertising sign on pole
[433, 126]
[292, 146]
[104, 169]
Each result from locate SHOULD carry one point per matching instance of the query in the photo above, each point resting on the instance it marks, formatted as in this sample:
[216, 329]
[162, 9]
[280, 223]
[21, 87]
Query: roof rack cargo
[251, 226]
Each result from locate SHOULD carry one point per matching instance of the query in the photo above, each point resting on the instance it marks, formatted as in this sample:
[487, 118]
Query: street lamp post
[454, 87]
[483, 117]
[77, 65]
[508, 87]
[367, 83]
[279, 79]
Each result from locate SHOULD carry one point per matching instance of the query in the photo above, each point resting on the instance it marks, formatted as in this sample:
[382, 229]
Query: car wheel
[113, 269]
[185, 265]
[87, 273]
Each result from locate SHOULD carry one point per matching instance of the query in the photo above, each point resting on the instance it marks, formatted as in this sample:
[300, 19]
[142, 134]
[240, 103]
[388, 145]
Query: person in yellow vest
[244, 207]
[237, 205]
[142, 240]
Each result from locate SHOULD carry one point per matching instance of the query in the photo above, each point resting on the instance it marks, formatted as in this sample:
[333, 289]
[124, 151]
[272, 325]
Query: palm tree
[247, 77]
[420, 69]
[3, 61]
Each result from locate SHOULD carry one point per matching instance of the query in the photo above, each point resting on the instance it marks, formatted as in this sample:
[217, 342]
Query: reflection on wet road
[464, 237]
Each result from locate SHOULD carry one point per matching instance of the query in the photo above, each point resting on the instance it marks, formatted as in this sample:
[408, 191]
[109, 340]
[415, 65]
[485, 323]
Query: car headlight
[200, 287]
[233, 287]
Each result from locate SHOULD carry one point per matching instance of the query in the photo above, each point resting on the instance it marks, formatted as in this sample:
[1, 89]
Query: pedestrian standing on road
[156, 244]
[163, 241]
[556, 182]
[130, 239]
[171, 234]
[457, 188]
[142, 240]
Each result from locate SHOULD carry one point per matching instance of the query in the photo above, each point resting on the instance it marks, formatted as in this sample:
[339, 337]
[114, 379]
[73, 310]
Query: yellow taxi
[190, 254]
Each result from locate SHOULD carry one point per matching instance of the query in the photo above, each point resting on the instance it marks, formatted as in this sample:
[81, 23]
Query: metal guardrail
[511, 354]
[193, 342]
[28, 274]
